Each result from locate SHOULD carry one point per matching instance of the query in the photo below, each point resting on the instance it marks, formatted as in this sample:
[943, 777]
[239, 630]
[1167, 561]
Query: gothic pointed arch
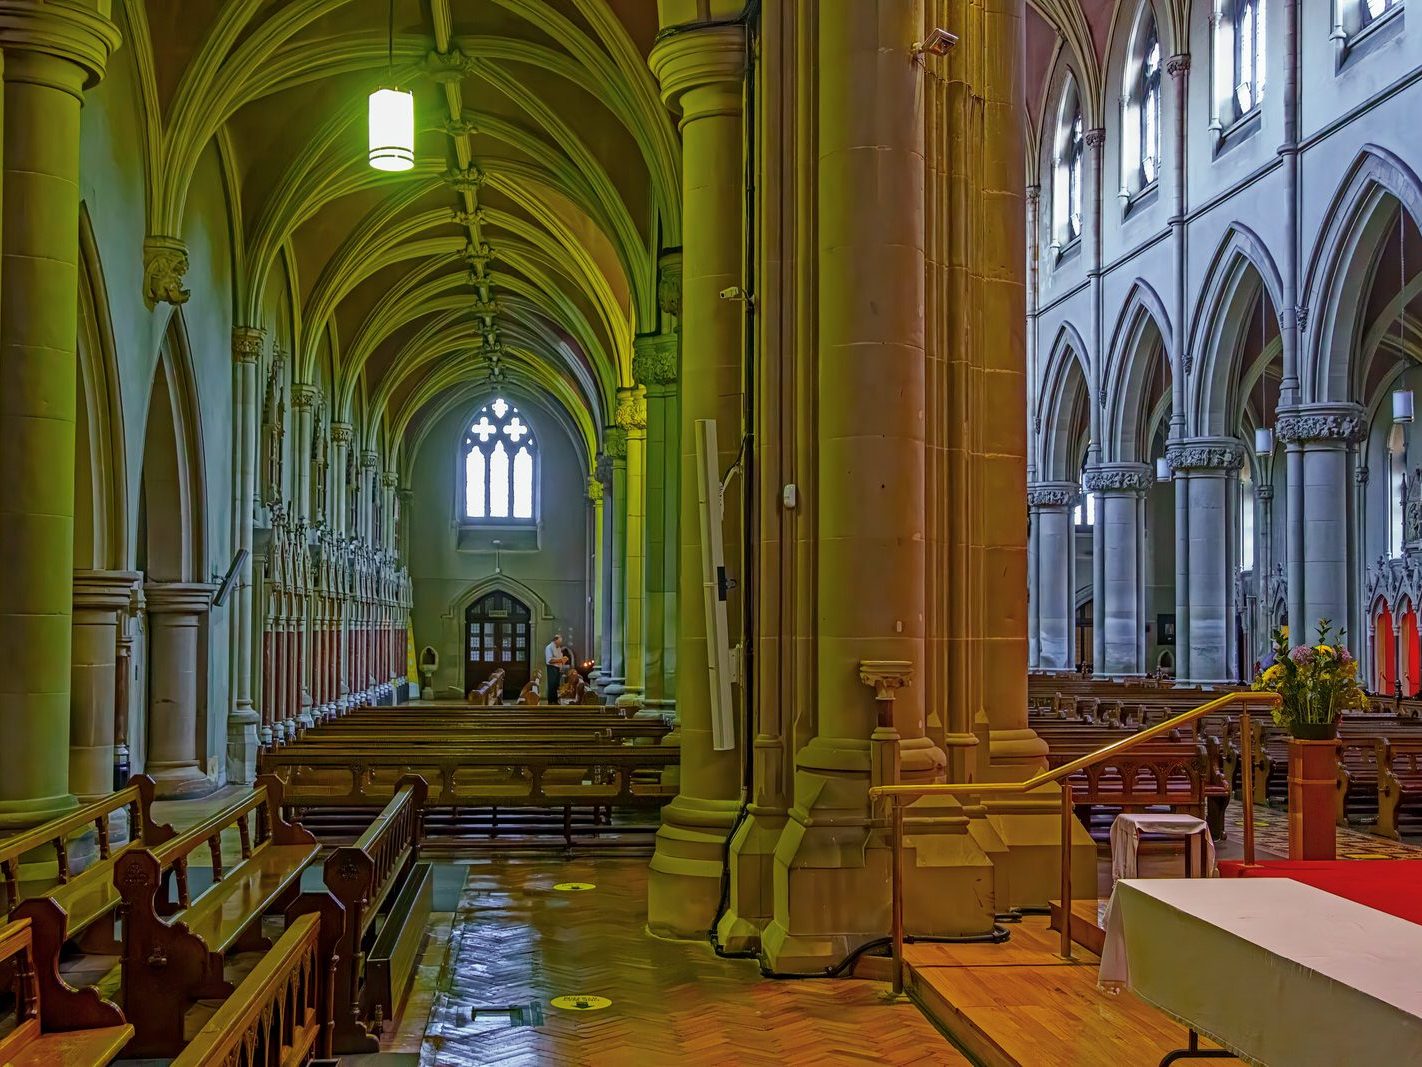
[1360, 217]
[1240, 270]
[1138, 362]
[1065, 400]
[100, 457]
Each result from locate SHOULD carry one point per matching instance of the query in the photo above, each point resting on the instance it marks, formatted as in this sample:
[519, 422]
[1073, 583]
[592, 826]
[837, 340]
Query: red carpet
[1393, 886]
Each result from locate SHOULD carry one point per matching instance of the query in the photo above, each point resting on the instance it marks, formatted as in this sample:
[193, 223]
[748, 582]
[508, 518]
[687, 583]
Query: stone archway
[170, 554]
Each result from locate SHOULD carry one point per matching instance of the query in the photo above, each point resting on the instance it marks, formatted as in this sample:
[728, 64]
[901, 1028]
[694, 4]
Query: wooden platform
[1087, 928]
[1021, 1004]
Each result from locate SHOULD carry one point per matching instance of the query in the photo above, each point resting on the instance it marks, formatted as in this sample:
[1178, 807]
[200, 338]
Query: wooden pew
[502, 776]
[1399, 782]
[529, 695]
[173, 955]
[137, 797]
[281, 1012]
[33, 1044]
[364, 877]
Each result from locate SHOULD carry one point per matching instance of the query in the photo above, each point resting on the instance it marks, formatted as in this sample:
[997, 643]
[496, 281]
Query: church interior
[710, 532]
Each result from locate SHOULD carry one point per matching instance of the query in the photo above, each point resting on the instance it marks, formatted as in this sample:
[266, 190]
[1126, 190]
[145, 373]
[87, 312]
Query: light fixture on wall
[392, 119]
[1162, 469]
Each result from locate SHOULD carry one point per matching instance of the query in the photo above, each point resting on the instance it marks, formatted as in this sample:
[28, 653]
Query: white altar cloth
[1126, 831]
[1277, 971]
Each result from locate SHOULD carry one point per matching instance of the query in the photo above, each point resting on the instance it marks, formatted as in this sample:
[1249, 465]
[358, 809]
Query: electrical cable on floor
[996, 936]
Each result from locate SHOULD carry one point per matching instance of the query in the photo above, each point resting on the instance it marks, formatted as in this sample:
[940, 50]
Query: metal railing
[901, 795]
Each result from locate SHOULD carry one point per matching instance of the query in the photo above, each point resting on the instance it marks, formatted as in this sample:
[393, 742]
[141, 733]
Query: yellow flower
[1273, 674]
[1284, 630]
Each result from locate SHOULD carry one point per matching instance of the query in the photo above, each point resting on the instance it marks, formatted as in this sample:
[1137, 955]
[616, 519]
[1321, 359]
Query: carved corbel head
[165, 262]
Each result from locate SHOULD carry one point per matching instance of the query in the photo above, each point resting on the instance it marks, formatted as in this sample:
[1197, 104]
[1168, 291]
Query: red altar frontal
[1393, 886]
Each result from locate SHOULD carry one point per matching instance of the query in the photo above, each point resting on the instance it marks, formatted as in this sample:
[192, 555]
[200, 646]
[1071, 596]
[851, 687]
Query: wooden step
[1086, 928]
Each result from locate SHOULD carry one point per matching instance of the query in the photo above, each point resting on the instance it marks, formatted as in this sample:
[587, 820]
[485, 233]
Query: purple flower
[1302, 654]
[1344, 656]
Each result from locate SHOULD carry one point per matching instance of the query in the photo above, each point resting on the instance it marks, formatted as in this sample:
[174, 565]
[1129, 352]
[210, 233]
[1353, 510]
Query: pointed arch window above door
[500, 466]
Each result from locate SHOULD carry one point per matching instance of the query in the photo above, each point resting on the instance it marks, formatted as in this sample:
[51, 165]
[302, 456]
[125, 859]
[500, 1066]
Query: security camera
[732, 292]
[936, 43]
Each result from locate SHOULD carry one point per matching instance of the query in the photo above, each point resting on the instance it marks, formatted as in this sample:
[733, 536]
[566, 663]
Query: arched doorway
[498, 632]
[1384, 651]
[1408, 669]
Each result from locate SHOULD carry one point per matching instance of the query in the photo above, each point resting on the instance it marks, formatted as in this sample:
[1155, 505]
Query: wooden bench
[488, 777]
[490, 692]
[33, 1044]
[365, 877]
[174, 952]
[531, 692]
[1399, 782]
[281, 1012]
[1155, 774]
[136, 797]
[1357, 783]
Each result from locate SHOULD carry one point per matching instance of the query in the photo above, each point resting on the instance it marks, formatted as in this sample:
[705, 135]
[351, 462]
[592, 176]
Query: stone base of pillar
[614, 687]
[1030, 830]
[684, 886]
[243, 741]
[630, 698]
[832, 877]
[751, 903]
[17, 815]
[179, 781]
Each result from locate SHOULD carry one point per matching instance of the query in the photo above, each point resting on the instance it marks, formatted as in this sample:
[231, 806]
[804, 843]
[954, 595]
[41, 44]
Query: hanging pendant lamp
[1402, 405]
[392, 119]
[1162, 469]
[1263, 441]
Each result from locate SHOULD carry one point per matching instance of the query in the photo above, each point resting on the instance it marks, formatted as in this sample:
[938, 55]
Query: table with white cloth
[1126, 831]
[1276, 971]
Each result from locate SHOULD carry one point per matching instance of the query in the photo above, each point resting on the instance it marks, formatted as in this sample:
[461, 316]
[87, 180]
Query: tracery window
[500, 466]
[1148, 98]
[1247, 30]
[1369, 11]
[1069, 155]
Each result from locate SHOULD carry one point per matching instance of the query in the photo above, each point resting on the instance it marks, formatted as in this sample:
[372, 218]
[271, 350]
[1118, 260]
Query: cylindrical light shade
[1402, 405]
[392, 129]
[1263, 441]
[1162, 469]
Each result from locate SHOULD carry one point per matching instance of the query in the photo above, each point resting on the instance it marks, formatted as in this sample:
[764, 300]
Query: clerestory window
[500, 466]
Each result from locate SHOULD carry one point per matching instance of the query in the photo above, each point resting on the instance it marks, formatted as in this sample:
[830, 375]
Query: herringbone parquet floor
[517, 943]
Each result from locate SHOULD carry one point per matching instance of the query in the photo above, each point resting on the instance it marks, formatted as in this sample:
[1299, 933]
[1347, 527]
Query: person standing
[556, 659]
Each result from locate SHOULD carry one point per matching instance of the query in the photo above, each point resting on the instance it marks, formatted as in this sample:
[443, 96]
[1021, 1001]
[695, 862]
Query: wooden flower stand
[1313, 803]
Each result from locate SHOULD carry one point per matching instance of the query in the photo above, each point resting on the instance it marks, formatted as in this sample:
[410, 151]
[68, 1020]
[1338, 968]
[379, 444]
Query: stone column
[243, 722]
[175, 614]
[1319, 439]
[599, 594]
[1263, 565]
[615, 448]
[1120, 490]
[1053, 556]
[341, 434]
[632, 420]
[369, 496]
[389, 482]
[101, 600]
[51, 54]
[654, 366]
[1205, 471]
[700, 70]
[305, 398]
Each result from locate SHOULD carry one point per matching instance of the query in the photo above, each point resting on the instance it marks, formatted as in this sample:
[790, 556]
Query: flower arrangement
[1317, 682]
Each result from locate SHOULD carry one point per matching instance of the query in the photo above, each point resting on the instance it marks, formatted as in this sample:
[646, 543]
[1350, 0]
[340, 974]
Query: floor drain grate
[508, 1017]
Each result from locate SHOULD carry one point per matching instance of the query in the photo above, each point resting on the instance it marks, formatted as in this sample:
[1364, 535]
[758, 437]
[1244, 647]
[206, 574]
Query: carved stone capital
[1205, 453]
[594, 489]
[887, 676]
[1053, 494]
[165, 262]
[614, 443]
[654, 359]
[1343, 423]
[1119, 478]
[370, 459]
[1095, 138]
[700, 57]
[1264, 492]
[78, 33]
[342, 432]
[247, 343]
[1360, 475]
[304, 395]
[1176, 66]
[390, 479]
[631, 415]
[669, 283]
[603, 470]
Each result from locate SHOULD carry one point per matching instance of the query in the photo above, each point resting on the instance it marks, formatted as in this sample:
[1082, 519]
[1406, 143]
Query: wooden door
[498, 632]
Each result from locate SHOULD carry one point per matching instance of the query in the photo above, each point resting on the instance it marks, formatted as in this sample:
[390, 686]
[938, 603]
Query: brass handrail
[897, 795]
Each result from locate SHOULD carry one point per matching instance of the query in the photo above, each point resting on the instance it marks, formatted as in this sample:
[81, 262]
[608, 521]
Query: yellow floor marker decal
[574, 887]
[581, 1002]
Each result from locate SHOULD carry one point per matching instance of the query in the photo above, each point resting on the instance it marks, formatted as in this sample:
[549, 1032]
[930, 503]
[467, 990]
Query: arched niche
[171, 544]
